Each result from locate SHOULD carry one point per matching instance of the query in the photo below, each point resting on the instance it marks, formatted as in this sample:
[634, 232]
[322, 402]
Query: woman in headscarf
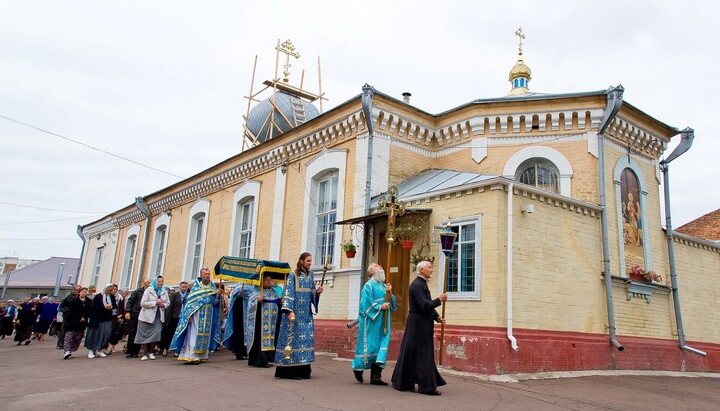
[101, 322]
[75, 320]
[26, 317]
[151, 318]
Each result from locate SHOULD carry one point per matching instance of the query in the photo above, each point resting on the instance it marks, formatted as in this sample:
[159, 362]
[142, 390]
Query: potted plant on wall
[638, 273]
[406, 233]
[349, 248]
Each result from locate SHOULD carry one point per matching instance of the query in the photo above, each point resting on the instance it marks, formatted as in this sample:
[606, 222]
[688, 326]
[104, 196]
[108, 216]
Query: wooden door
[399, 276]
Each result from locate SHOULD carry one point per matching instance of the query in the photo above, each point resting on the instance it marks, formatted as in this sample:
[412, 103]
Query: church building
[561, 260]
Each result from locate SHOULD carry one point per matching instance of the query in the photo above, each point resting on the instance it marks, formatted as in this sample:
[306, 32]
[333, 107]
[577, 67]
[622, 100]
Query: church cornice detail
[499, 125]
[635, 137]
[292, 151]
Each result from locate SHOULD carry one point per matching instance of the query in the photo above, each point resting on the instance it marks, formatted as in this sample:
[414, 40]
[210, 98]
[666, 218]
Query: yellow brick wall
[699, 290]
[333, 301]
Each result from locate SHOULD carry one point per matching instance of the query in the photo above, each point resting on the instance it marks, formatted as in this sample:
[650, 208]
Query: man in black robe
[132, 312]
[416, 362]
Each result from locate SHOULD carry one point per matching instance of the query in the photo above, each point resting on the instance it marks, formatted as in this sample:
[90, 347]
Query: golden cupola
[520, 73]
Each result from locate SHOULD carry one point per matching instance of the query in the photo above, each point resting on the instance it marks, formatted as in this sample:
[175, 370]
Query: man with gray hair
[416, 362]
[372, 341]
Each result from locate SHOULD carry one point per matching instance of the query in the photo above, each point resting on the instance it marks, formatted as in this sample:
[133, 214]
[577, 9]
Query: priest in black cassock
[416, 362]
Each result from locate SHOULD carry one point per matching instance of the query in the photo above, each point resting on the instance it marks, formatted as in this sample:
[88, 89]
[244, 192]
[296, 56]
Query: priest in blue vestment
[372, 341]
[296, 338]
[234, 337]
[263, 306]
[198, 331]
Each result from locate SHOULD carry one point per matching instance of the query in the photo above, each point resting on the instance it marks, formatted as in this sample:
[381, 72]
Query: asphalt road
[36, 377]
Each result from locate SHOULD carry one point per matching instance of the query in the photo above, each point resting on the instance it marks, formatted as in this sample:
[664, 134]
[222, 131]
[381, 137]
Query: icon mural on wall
[632, 222]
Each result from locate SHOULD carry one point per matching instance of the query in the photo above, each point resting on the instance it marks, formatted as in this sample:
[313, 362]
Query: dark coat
[175, 308]
[132, 305]
[98, 312]
[416, 361]
[77, 310]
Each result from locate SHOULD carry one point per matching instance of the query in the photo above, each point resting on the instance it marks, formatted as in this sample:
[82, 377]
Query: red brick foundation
[487, 350]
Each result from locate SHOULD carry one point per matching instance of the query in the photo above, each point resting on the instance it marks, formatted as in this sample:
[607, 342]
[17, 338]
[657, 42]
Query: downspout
[513, 341]
[688, 135]
[79, 232]
[140, 204]
[614, 101]
[367, 93]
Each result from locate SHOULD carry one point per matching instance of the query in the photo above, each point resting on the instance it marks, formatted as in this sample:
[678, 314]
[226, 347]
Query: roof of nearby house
[43, 274]
[706, 227]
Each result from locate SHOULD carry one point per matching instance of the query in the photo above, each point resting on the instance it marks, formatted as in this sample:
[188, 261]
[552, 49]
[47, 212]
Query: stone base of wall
[487, 350]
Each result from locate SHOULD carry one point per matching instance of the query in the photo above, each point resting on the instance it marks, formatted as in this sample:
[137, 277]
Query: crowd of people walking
[265, 324]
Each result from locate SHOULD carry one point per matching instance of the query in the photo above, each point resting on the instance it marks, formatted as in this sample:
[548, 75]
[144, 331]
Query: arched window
[327, 192]
[538, 172]
[244, 227]
[244, 220]
[129, 253]
[158, 255]
[197, 229]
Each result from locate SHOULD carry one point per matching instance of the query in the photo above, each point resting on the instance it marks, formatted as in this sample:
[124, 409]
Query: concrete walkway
[35, 377]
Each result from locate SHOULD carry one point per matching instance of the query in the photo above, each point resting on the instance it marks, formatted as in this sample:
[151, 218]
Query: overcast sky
[162, 83]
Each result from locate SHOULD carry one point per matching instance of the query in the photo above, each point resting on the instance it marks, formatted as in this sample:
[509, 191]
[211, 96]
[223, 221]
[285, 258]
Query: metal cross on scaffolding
[521, 37]
[287, 48]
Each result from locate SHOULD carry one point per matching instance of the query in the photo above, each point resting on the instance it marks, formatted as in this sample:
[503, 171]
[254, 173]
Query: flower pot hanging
[350, 254]
[407, 244]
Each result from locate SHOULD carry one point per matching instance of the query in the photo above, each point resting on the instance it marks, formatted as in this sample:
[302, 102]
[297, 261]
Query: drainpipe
[367, 93]
[688, 135]
[79, 232]
[513, 341]
[614, 101]
[140, 204]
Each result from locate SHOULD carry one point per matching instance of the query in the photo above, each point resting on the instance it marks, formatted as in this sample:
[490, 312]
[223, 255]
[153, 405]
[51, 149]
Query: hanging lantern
[447, 240]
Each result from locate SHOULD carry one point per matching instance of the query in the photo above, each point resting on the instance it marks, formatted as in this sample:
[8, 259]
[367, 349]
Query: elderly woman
[75, 320]
[101, 322]
[151, 318]
[26, 317]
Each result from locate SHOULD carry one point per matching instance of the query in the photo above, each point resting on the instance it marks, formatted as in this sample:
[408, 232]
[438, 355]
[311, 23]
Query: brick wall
[487, 350]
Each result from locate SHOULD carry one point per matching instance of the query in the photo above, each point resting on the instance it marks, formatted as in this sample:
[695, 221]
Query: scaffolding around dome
[287, 107]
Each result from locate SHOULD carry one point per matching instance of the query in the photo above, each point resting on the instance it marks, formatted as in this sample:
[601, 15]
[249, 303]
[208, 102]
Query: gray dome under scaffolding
[265, 122]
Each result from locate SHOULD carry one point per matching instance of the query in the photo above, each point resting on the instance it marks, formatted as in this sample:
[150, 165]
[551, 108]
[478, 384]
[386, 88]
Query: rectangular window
[246, 220]
[129, 261]
[197, 246]
[160, 249]
[326, 217]
[464, 263]
[98, 262]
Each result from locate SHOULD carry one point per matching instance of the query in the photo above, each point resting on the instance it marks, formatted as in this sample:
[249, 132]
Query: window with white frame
[540, 173]
[196, 234]
[463, 279]
[326, 216]
[96, 267]
[159, 246]
[244, 228]
[128, 261]
[197, 243]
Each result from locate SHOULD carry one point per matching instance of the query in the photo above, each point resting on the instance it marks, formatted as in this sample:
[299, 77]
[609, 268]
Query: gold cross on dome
[287, 48]
[521, 37]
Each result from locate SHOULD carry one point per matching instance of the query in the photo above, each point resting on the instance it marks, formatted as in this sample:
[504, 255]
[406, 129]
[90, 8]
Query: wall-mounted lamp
[97, 237]
[168, 212]
[527, 208]
[283, 167]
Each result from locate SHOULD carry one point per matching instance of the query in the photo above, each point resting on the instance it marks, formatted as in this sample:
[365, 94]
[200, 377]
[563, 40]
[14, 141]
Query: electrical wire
[45, 221]
[52, 209]
[90, 147]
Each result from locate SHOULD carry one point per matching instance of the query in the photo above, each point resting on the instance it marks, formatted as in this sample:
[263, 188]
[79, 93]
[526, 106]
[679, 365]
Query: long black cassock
[416, 362]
